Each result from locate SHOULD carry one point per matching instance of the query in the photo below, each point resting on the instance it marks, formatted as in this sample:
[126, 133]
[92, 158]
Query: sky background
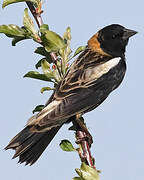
[117, 125]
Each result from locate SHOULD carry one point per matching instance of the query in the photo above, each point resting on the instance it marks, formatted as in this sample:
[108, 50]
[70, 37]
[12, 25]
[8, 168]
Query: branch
[86, 154]
[55, 58]
[84, 139]
[35, 13]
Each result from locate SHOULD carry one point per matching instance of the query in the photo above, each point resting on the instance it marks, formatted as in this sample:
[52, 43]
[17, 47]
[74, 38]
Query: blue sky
[116, 125]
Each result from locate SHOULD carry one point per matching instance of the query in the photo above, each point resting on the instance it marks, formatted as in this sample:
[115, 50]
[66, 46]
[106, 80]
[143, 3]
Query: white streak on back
[98, 71]
[50, 107]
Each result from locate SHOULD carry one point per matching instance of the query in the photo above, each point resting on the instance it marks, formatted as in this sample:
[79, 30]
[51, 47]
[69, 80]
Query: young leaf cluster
[53, 68]
[87, 173]
[27, 31]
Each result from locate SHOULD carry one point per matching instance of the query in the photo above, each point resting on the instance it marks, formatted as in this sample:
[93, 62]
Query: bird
[93, 75]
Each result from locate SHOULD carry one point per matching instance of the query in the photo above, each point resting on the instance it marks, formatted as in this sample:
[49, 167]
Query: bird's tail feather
[30, 145]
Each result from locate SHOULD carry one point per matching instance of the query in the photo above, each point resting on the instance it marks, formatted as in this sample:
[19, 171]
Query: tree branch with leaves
[56, 54]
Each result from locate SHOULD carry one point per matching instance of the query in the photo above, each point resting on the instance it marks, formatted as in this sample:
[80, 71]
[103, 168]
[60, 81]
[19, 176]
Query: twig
[86, 154]
[36, 15]
[54, 58]
[84, 139]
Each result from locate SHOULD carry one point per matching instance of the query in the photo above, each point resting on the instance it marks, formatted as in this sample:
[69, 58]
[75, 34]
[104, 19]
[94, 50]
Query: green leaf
[52, 41]
[66, 145]
[7, 2]
[77, 178]
[45, 67]
[56, 75]
[12, 30]
[29, 25]
[43, 52]
[88, 173]
[67, 34]
[15, 32]
[17, 39]
[44, 27]
[37, 75]
[46, 89]
[79, 50]
[38, 108]
[38, 64]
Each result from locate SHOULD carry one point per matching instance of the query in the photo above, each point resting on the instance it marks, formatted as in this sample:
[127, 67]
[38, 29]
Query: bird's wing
[80, 90]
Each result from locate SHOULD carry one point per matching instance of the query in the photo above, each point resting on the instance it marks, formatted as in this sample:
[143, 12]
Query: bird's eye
[113, 36]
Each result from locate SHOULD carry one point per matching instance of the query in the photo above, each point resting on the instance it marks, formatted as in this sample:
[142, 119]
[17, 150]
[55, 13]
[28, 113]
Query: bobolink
[98, 70]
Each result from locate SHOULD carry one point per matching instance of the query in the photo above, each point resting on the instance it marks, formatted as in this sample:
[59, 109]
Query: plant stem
[35, 14]
[54, 58]
[86, 154]
[84, 139]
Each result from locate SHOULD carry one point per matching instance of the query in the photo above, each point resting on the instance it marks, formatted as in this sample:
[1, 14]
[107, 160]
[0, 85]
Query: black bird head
[114, 38]
[111, 40]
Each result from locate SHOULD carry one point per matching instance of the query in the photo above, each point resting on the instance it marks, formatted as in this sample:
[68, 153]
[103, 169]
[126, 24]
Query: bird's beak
[128, 33]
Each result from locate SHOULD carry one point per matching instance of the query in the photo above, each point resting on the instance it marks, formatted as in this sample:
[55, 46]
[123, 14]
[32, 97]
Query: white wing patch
[98, 71]
[113, 62]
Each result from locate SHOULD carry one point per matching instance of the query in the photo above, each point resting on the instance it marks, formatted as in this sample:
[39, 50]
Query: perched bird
[98, 70]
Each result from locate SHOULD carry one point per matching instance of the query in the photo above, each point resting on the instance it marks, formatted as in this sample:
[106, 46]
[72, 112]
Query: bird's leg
[87, 136]
[84, 140]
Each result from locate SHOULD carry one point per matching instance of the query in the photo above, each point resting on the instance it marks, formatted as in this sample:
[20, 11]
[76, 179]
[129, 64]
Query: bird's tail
[30, 145]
